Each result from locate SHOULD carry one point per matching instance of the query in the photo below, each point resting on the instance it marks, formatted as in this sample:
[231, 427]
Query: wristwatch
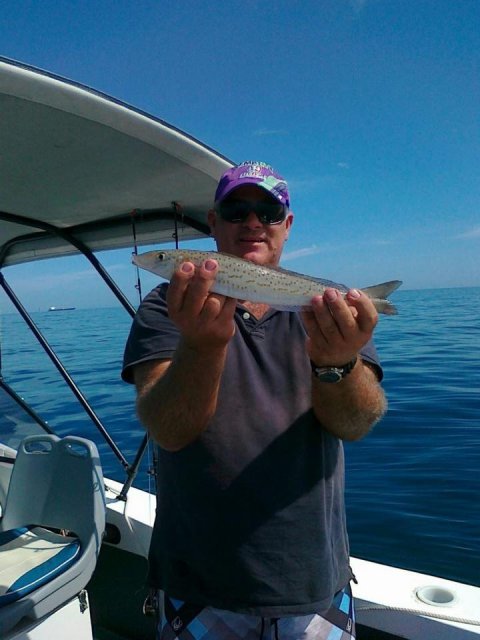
[333, 374]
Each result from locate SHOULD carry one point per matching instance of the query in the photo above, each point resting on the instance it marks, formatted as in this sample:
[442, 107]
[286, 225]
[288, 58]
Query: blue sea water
[413, 487]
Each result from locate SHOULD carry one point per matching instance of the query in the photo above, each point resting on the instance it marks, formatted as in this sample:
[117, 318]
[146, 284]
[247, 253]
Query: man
[249, 406]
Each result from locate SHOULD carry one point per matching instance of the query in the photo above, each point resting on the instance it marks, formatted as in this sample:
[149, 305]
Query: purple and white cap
[259, 174]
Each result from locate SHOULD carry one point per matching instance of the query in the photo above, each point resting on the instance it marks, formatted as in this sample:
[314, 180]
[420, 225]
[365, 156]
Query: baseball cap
[259, 174]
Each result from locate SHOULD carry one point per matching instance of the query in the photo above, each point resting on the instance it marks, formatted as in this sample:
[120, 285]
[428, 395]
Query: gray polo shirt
[250, 516]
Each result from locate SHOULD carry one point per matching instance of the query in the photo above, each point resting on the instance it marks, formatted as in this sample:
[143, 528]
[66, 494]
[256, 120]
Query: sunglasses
[267, 212]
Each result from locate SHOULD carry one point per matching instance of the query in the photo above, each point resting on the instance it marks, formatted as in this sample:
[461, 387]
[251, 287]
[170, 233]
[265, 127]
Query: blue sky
[369, 108]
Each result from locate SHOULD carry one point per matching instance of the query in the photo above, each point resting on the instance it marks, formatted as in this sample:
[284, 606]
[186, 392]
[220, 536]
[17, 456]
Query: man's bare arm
[350, 408]
[176, 399]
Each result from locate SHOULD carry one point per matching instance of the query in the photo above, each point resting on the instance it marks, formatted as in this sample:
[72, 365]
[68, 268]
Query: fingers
[366, 314]
[216, 306]
[338, 326]
[333, 314]
[205, 319]
[190, 286]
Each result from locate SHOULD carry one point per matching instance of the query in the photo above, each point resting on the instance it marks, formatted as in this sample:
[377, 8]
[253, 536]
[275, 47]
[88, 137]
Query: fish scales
[244, 280]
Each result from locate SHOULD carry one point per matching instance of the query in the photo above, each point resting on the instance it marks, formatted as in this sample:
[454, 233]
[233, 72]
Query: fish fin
[379, 292]
[382, 290]
[385, 306]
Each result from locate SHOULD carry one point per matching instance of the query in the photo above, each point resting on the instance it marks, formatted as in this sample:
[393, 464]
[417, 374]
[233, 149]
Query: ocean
[412, 485]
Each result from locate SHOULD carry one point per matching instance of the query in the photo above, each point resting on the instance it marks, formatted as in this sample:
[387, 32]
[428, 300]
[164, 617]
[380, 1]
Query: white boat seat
[52, 526]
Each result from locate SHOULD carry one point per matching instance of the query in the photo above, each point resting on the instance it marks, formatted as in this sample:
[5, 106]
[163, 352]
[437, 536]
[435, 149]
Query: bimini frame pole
[75, 242]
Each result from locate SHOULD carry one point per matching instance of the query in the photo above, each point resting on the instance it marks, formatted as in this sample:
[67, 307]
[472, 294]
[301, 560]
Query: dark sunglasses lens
[270, 212]
[234, 211]
[239, 210]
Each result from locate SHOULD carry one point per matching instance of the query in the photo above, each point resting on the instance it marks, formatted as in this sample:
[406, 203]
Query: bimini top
[75, 164]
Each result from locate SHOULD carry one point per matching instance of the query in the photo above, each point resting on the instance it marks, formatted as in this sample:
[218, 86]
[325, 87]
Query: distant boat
[61, 308]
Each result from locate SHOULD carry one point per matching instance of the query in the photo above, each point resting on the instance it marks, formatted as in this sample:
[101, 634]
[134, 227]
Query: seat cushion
[30, 557]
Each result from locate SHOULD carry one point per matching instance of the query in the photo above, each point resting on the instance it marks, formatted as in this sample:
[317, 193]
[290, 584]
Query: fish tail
[382, 290]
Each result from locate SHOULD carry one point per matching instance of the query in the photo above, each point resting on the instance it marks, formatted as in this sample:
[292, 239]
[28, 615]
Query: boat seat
[52, 526]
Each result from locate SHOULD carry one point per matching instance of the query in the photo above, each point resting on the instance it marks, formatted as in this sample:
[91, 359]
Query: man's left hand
[338, 327]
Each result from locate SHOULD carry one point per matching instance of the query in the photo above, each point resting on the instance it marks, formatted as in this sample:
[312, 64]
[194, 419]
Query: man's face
[250, 239]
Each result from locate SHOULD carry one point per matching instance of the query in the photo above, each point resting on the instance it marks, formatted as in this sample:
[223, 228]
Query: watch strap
[333, 373]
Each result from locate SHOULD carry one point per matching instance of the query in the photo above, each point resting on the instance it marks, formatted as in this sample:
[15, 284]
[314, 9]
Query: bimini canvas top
[75, 164]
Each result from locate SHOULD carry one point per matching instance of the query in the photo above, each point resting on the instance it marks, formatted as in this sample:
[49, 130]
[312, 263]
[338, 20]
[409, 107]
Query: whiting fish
[244, 280]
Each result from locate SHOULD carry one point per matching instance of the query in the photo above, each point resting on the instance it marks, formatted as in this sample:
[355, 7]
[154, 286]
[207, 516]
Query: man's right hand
[204, 319]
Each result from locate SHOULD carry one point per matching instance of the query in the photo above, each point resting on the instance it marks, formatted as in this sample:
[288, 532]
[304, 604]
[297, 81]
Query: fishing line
[138, 285]
[177, 210]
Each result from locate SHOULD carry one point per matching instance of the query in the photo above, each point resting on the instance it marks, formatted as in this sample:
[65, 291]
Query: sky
[369, 109]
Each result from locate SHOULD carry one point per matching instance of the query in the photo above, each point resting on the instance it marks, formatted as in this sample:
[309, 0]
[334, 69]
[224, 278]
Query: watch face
[329, 375]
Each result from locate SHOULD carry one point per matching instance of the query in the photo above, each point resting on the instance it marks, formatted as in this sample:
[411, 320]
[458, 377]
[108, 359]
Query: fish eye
[161, 256]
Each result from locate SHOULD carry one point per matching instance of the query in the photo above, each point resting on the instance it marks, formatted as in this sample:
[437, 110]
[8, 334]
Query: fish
[244, 280]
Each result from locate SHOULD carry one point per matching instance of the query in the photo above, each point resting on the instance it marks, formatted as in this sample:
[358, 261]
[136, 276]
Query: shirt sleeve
[369, 354]
[153, 336]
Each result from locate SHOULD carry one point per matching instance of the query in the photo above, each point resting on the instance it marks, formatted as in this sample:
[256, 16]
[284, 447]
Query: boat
[150, 183]
[61, 308]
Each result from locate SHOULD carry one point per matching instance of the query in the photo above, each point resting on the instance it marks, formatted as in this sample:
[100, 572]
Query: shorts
[190, 622]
